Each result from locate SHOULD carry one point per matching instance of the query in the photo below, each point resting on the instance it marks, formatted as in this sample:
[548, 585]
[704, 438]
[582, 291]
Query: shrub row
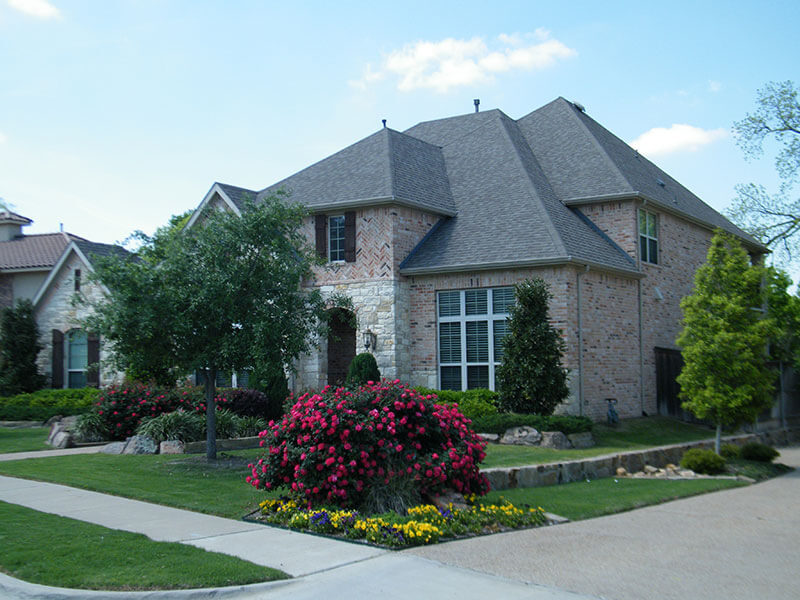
[119, 410]
[471, 403]
[498, 423]
[43, 404]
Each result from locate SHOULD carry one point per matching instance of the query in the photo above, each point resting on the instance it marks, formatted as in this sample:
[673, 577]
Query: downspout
[580, 342]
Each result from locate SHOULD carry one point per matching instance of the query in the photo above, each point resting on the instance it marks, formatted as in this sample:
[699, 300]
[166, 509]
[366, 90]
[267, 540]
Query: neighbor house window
[77, 280]
[336, 238]
[77, 358]
[648, 237]
[472, 324]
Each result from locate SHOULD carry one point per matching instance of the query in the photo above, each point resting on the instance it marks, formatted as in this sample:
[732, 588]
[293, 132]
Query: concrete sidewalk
[49, 453]
[322, 567]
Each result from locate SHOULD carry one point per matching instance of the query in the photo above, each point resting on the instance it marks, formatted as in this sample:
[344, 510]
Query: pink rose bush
[383, 446]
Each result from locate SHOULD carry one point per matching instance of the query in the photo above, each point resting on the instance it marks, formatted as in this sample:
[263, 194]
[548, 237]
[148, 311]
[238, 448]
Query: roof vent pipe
[384, 123]
[477, 103]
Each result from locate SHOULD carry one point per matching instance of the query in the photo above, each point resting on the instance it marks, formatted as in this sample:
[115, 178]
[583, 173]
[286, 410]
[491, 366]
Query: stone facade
[57, 309]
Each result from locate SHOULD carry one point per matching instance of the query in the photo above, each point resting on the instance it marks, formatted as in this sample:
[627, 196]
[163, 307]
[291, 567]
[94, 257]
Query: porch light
[369, 340]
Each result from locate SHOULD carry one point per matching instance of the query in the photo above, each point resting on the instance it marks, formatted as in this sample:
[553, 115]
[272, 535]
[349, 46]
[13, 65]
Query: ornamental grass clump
[380, 447]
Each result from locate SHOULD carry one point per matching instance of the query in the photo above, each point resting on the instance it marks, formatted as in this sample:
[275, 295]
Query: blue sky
[115, 115]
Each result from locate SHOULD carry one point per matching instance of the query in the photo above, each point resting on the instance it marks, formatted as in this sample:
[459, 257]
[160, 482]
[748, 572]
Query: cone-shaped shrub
[363, 368]
[380, 446]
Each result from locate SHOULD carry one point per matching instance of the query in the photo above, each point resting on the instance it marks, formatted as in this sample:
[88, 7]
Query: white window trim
[648, 237]
[463, 318]
[329, 229]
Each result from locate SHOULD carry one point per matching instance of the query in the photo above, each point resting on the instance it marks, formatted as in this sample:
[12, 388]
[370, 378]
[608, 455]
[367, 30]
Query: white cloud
[714, 86]
[41, 9]
[677, 138]
[451, 63]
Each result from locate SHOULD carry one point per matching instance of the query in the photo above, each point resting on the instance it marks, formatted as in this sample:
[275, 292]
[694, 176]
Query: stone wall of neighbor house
[610, 331]
[56, 310]
[6, 290]
[618, 220]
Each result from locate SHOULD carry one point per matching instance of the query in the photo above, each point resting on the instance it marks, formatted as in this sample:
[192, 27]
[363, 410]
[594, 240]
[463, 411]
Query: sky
[115, 114]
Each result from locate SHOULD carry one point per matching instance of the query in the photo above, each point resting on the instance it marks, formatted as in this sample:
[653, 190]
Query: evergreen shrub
[363, 368]
[43, 404]
[758, 452]
[703, 461]
[471, 403]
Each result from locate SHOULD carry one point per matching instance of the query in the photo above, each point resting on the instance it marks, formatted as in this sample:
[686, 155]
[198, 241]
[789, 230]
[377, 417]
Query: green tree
[725, 378]
[531, 378]
[19, 347]
[224, 295]
[774, 218]
[362, 369]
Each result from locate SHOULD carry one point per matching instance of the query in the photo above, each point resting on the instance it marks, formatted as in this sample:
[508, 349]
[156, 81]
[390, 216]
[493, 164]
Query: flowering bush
[424, 524]
[383, 446]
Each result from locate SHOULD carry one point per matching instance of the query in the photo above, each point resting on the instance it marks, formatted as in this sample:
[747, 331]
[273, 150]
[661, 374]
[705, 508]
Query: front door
[341, 346]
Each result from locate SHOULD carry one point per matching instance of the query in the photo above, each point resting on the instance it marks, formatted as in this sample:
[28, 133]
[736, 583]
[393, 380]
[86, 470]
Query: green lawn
[51, 550]
[174, 480]
[630, 434]
[23, 439]
[585, 500]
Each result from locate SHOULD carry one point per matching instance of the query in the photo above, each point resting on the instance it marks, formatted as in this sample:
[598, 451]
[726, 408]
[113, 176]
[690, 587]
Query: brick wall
[618, 220]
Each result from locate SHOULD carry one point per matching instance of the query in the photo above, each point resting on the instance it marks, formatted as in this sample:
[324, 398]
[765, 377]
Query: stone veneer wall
[380, 295]
[57, 311]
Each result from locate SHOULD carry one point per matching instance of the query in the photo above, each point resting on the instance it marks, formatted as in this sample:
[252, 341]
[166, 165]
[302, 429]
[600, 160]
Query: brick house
[50, 269]
[427, 230]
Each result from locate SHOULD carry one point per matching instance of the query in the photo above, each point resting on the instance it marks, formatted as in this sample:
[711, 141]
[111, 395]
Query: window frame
[341, 240]
[68, 368]
[490, 317]
[645, 238]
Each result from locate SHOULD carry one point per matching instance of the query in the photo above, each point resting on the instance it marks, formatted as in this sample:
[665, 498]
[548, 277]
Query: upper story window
[648, 237]
[77, 280]
[472, 325]
[336, 236]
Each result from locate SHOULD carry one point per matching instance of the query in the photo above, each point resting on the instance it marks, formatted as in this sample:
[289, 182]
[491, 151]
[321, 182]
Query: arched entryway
[341, 344]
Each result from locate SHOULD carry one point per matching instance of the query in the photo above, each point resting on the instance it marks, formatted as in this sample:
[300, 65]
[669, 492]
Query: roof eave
[645, 199]
[523, 263]
[380, 201]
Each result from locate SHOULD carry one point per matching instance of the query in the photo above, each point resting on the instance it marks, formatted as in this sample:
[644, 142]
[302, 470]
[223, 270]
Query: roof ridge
[466, 133]
[571, 109]
[547, 219]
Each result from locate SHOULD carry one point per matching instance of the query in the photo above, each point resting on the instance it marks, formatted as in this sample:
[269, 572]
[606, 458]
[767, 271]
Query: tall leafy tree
[224, 295]
[772, 217]
[725, 378]
[531, 378]
[19, 347]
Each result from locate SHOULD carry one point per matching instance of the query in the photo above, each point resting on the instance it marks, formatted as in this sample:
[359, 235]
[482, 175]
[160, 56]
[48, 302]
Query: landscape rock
[62, 439]
[581, 440]
[490, 437]
[650, 469]
[522, 436]
[113, 448]
[52, 420]
[622, 472]
[686, 473]
[140, 444]
[555, 439]
[447, 498]
[171, 447]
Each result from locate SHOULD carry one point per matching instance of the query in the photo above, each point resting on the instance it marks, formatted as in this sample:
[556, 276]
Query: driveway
[740, 543]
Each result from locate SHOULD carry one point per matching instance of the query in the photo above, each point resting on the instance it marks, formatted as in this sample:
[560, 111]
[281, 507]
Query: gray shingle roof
[92, 249]
[584, 161]
[6, 216]
[507, 211]
[387, 165]
[238, 195]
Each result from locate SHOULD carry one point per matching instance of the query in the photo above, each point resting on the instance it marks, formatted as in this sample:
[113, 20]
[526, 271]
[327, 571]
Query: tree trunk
[211, 415]
[717, 438]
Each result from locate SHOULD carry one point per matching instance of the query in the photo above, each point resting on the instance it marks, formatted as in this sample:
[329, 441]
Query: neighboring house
[51, 269]
[427, 230]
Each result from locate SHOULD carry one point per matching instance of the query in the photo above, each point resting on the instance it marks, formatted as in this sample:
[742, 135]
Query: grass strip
[181, 481]
[51, 550]
[630, 434]
[586, 500]
[23, 439]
